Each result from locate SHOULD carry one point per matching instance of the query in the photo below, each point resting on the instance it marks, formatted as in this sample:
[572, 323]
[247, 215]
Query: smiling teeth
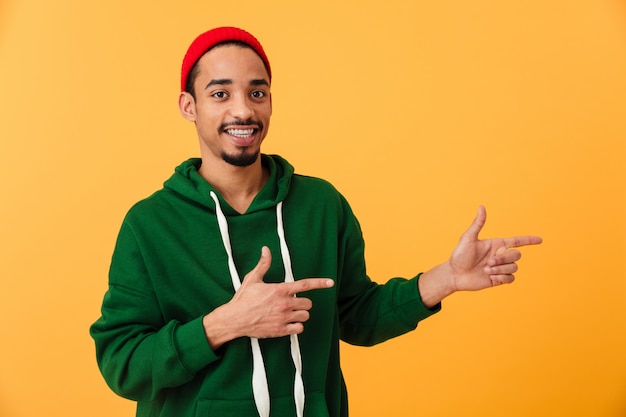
[241, 133]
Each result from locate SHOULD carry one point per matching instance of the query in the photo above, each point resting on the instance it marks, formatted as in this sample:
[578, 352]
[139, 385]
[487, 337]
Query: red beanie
[214, 37]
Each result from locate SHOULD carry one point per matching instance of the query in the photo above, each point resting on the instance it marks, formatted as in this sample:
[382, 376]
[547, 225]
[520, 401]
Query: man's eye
[219, 94]
[258, 94]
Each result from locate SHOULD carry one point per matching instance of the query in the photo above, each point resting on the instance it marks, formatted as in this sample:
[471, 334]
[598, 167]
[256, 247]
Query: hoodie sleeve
[139, 354]
[369, 312]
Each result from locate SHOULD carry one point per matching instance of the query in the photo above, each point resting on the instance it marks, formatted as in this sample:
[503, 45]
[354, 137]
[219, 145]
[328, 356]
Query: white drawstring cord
[298, 386]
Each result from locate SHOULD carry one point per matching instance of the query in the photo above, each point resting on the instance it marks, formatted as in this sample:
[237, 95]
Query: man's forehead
[232, 61]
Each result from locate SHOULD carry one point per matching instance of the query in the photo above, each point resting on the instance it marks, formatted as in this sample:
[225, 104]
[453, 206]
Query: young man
[230, 288]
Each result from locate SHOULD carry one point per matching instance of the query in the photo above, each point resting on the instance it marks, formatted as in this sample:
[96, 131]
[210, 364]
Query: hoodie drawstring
[298, 387]
[260, 388]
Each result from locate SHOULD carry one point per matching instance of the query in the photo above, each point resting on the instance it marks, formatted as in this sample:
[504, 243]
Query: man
[184, 335]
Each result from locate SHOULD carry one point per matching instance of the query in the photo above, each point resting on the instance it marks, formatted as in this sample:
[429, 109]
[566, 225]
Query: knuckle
[304, 285]
[274, 289]
[283, 304]
[301, 303]
[276, 330]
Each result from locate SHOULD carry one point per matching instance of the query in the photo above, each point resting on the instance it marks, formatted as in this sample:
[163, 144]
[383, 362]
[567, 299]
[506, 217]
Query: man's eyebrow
[219, 81]
[227, 81]
[260, 81]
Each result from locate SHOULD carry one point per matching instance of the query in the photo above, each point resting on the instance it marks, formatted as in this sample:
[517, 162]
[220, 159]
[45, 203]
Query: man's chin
[241, 160]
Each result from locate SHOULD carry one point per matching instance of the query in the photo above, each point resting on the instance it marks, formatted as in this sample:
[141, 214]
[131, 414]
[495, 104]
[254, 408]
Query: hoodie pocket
[239, 408]
[244, 408]
[280, 407]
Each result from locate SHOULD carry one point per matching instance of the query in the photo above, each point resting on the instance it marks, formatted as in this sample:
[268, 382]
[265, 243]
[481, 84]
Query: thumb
[261, 268]
[472, 232]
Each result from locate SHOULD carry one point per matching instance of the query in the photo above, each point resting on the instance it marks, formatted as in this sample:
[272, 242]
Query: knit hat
[213, 37]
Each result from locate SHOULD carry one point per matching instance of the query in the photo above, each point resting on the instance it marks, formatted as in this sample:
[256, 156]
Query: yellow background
[417, 111]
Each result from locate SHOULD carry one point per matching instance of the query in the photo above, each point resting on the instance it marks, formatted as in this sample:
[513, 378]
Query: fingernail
[330, 282]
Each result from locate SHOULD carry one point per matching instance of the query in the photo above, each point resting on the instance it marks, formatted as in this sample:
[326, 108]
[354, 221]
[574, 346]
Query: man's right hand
[260, 309]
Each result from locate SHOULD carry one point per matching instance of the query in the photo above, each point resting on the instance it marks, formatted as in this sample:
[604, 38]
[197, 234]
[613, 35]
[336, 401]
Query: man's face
[232, 105]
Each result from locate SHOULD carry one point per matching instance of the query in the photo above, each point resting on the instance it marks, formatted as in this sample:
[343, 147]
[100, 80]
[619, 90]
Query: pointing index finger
[518, 241]
[308, 284]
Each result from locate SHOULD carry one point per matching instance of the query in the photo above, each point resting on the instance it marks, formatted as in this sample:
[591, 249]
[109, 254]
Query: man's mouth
[240, 133]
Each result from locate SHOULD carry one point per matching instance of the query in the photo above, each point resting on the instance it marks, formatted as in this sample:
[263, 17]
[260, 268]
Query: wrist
[215, 331]
[436, 284]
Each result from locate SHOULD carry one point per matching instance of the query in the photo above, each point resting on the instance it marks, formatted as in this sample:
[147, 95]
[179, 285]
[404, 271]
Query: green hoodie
[170, 268]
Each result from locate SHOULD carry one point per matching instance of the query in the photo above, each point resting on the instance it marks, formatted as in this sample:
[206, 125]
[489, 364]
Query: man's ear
[187, 106]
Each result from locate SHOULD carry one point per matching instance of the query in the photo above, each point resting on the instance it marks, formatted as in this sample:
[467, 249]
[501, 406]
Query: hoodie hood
[187, 182]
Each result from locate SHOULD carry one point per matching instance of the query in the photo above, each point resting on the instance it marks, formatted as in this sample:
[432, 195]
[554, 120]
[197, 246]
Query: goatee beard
[241, 160]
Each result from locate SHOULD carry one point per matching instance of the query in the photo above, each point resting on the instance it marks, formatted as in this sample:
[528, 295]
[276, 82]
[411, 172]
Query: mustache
[240, 122]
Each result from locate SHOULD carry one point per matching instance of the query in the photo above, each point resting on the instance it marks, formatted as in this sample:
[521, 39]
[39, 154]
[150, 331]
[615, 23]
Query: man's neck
[237, 185]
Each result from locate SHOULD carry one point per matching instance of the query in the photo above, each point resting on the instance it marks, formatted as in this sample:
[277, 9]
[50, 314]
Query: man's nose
[242, 108]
